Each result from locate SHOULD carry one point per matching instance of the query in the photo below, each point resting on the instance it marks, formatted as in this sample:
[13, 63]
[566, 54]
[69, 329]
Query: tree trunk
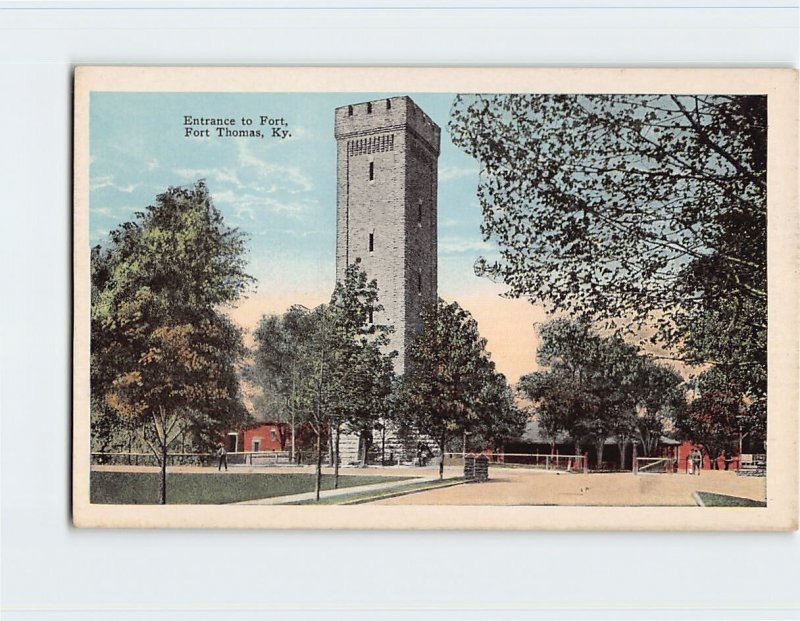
[330, 445]
[293, 451]
[622, 450]
[383, 444]
[318, 482]
[367, 444]
[599, 446]
[441, 457]
[336, 429]
[163, 485]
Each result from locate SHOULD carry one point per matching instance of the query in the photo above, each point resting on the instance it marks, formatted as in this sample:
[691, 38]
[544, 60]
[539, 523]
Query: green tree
[595, 387]
[557, 403]
[277, 363]
[450, 385]
[360, 377]
[659, 393]
[567, 393]
[498, 417]
[328, 363]
[164, 358]
[633, 209]
[371, 378]
[714, 421]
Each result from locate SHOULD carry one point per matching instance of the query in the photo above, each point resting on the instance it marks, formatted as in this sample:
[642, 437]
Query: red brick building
[260, 437]
[724, 462]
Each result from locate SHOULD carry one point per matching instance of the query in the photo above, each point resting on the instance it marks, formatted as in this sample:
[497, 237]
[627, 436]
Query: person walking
[222, 455]
[698, 461]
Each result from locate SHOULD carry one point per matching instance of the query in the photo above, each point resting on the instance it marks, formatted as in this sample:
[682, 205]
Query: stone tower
[387, 153]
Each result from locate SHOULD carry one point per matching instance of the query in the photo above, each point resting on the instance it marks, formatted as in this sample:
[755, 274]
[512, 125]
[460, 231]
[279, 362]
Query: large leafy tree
[360, 375]
[278, 366]
[498, 416]
[713, 421]
[659, 394]
[572, 393]
[329, 363]
[593, 387]
[369, 385]
[451, 386]
[164, 357]
[632, 209]
[719, 418]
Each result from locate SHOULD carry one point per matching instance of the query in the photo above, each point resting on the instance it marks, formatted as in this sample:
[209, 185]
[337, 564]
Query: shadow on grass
[709, 499]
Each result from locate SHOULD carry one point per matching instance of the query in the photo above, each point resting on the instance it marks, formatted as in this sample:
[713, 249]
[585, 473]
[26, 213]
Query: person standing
[222, 455]
[698, 461]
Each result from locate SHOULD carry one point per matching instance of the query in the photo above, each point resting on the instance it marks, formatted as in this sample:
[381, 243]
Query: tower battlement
[387, 154]
[383, 115]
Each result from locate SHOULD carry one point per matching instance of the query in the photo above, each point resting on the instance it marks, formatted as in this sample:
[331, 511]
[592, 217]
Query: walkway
[332, 493]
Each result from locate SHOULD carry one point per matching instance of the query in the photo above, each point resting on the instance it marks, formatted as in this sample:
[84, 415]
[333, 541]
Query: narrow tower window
[388, 104]
[371, 171]
[369, 108]
[419, 283]
[349, 110]
[419, 212]
[371, 242]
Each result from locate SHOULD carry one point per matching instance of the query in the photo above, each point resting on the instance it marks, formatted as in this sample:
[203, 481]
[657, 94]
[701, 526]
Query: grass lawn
[721, 500]
[141, 488]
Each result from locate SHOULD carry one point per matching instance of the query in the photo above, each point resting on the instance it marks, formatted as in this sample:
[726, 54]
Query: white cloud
[448, 173]
[299, 131]
[227, 196]
[247, 205]
[269, 170]
[220, 175]
[107, 181]
[456, 245]
[110, 212]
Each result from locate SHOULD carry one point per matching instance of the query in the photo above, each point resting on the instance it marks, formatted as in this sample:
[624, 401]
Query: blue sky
[283, 194]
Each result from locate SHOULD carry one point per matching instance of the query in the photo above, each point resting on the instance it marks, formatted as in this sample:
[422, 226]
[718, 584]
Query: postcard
[388, 298]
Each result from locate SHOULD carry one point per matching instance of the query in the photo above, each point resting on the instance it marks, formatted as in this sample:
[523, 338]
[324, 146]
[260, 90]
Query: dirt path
[531, 487]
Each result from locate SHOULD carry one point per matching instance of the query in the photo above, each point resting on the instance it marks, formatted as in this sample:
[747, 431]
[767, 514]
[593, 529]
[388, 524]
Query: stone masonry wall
[387, 154]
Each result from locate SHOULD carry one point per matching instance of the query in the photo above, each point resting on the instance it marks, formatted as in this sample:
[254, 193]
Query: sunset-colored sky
[282, 193]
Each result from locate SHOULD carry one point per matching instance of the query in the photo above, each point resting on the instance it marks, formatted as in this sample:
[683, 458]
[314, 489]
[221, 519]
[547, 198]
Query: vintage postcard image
[435, 298]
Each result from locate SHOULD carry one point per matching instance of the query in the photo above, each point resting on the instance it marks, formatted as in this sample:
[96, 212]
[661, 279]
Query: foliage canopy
[163, 356]
[633, 209]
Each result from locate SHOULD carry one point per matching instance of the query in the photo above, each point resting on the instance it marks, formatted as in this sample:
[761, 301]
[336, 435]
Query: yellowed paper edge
[781, 86]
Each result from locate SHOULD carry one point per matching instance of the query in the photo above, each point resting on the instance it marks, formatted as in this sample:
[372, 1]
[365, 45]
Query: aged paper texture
[385, 298]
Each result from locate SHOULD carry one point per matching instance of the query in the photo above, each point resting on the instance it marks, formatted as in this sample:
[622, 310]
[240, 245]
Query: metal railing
[542, 461]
